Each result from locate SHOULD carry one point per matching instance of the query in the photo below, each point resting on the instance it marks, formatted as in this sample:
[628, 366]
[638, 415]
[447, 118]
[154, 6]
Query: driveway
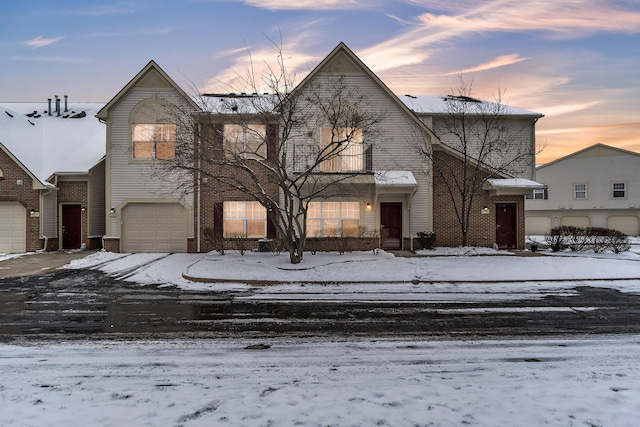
[30, 264]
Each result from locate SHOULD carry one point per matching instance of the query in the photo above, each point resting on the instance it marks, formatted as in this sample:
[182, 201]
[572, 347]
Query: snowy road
[558, 382]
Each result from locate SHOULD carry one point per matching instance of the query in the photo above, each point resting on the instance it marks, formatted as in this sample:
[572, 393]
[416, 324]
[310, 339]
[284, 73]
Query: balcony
[354, 159]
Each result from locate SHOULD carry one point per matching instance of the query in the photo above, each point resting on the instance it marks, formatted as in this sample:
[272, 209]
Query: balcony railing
[357, 158]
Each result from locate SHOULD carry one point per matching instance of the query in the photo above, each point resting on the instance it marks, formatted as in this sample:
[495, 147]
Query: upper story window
[154, 141]
[246, 141]
[244, 219]
[579, 191]
[325, 219]
[538, 194]
[344, 148]
[619, 190]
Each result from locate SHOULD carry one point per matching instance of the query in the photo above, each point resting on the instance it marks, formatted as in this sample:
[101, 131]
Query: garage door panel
[154, 227]
[13, 228]
[576, 221]
[628, 224]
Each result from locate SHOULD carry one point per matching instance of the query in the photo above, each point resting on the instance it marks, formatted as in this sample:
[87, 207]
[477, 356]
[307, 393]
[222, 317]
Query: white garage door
[154, 227]
[576, 221]
[537, 225]
[628, 224]
[13, 228]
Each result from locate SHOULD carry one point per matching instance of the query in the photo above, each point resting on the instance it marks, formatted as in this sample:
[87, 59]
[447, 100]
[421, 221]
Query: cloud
[311, 4]
[40, 41]
[61, 59]
[429, 32]
[498, 62]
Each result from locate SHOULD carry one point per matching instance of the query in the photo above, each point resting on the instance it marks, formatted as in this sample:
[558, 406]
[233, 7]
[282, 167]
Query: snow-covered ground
[592, 381]
[557, 382]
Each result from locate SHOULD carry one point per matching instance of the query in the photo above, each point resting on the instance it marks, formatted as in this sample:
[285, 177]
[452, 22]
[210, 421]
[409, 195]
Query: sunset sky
[575, 61]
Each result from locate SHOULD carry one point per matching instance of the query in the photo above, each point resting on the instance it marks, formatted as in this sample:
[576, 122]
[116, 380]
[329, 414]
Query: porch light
[485, 210]
[368, 207]
[83, 209]
[112, 210]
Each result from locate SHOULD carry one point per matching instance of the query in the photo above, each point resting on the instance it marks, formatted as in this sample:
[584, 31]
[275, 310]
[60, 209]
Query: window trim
[260, 154]
[154, 141]
[226, 210]
[623, 190]
[576, 191]
[340, 218]
[343, 162]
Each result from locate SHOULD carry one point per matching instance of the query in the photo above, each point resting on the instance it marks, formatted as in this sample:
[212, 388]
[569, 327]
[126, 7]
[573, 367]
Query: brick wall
[23, 194]
[74, 193]
[482, 227]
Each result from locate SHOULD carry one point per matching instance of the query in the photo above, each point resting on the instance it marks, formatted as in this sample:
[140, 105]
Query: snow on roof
[405, 178]
[72, 142]
[514, 183]
[440, 104]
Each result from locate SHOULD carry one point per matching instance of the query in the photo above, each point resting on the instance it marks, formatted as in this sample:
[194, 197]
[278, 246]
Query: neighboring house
[598, 186]
[389, 191]
[51, 176]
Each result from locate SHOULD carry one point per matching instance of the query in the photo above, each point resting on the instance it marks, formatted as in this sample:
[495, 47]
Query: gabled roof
[44, 144]
[151, 75]
[609, 150]
[342, 49]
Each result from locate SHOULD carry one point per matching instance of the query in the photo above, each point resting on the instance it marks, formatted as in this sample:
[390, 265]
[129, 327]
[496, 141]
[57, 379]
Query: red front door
[71, 226]
[506, 221]
[391, 225]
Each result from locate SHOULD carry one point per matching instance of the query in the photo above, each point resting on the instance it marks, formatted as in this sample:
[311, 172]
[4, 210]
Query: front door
[506, 221]
[71, 226]
[391, 225]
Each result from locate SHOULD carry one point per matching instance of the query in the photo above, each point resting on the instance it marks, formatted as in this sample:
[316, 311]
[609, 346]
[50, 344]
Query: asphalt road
[87, 304]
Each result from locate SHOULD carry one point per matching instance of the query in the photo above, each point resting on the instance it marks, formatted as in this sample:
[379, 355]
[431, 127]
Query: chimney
[66, 109]
[57, 105]
[49, 111]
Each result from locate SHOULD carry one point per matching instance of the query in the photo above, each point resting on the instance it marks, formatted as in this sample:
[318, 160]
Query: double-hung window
[154, 141]
[579, 191]
[342, 150]
[244, 219]
[619, 190]
[246, 141]
[328, 219]
[538, 194]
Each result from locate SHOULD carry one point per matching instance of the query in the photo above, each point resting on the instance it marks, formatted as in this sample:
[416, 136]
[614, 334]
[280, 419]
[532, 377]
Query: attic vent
[1, 174]
[9, 114]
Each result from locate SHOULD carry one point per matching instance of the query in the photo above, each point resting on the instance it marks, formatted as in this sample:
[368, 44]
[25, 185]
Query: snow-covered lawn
[556, 382]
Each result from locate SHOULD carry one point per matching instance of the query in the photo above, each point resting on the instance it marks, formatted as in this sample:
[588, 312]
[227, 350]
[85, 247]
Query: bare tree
[277, 144]
[482, 141]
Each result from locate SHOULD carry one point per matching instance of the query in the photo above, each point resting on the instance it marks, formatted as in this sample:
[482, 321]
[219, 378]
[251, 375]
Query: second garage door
[13, 228]
[154, 227]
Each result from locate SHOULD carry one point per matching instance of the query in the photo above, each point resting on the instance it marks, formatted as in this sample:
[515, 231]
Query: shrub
[596, 239]
[427, 239]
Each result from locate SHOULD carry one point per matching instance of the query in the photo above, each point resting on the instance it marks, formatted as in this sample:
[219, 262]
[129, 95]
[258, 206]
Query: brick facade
[24, 194]
[482, 227]
[75, 193]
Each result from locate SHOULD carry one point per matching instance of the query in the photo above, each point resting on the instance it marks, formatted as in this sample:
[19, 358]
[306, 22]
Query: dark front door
[391, 225]
[71, 226]
[506, 221]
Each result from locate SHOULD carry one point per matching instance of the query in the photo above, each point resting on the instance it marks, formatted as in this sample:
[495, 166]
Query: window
[579, 191]
[619, 190]
[248, 141]
[154, 141]
[244, 219]
[347, 145]
[538, 194]
[326, 219]
[1, 174]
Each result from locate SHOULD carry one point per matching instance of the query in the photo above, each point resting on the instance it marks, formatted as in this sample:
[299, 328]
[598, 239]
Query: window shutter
[272, 232]
[272, 142]
[218, 226]
[217, 137]
[546, 194]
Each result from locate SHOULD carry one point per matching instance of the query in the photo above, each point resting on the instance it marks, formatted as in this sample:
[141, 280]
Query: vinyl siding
[96, 204]
[129, 179]
[49, 213]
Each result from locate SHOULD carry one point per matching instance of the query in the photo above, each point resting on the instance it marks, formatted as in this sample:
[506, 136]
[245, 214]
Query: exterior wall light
[112, 211]
[485, 210]
[83, 209]
[368, 207]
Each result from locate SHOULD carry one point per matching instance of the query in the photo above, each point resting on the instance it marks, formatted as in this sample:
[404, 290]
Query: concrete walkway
[39, 263]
